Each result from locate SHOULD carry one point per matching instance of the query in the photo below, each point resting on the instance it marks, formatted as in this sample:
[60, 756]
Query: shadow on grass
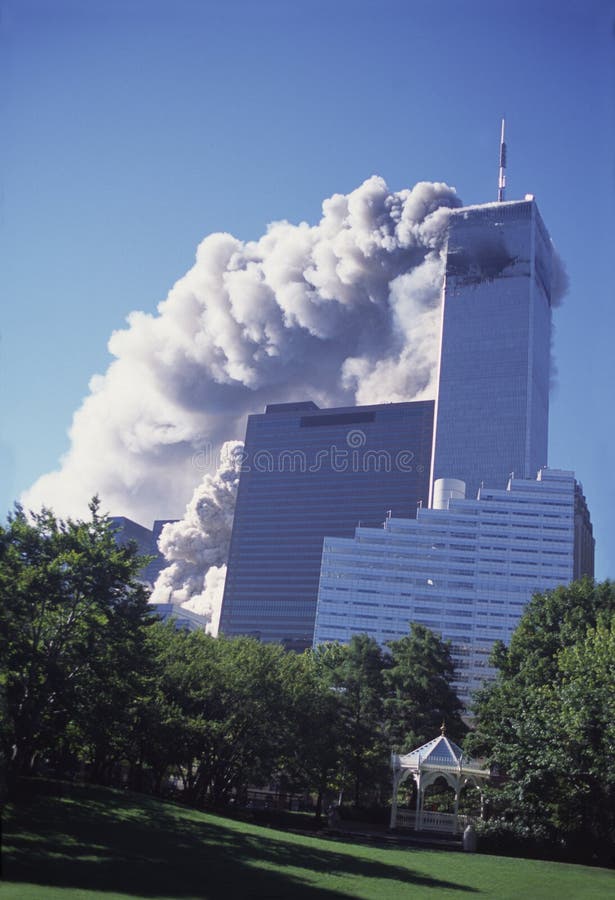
[92, 838]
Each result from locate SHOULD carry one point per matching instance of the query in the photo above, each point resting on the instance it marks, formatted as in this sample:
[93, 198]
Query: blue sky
[133, 129]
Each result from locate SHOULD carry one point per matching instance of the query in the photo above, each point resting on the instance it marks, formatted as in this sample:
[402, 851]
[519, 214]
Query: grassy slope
[98, 843]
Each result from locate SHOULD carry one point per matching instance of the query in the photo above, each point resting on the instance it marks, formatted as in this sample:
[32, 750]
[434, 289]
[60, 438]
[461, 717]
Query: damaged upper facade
[493, 399]
[485, 243]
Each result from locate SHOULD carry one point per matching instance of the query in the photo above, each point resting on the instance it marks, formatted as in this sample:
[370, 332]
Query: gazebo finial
[443, 728]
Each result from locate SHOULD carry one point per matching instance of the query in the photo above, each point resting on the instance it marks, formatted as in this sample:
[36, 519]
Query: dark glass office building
[311, 472]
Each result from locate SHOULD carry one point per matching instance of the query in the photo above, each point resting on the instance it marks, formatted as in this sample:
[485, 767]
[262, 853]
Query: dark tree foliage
[552, 621]
[164, 733]
[547, 722]
[91, 682]
[419, 692]
[215, 713]
[314, 743]
[356, 674]
[72, 638]
[242, 735]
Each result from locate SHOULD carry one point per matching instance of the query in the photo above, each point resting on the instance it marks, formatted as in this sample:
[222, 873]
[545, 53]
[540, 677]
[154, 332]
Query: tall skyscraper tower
[308, 473]
[492, 407]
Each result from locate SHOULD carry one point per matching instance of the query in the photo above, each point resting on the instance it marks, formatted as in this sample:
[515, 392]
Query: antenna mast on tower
[502, 173]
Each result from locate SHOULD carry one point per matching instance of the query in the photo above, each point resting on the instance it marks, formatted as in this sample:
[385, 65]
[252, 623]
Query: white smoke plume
[338, 312]
[197, 546]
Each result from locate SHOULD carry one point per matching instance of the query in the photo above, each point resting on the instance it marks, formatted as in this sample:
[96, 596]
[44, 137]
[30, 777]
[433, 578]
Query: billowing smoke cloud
[197, 545]
[342, 311]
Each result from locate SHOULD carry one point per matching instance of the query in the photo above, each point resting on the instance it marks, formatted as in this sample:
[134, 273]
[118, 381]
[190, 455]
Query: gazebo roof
[440, 754]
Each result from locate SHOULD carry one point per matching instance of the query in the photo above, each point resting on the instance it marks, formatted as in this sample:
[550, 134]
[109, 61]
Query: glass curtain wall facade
[311, 472]
[493, 398]
[466, 572]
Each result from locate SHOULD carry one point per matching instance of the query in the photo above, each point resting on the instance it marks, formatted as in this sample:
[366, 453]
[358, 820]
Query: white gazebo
[440, 758]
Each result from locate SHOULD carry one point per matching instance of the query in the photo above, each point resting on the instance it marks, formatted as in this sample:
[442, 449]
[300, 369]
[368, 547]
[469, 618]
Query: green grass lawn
[71, 842]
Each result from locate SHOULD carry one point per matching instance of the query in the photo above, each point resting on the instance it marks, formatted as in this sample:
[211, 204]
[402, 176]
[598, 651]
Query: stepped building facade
[465, 570]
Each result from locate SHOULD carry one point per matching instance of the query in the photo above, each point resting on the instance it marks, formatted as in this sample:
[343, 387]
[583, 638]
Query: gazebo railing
[434, 821]
[430, 766]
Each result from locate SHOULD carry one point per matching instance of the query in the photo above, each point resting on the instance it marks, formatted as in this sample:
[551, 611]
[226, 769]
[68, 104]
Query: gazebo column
[419, 803]
[396, 780]
[393, 819]
[456, 808]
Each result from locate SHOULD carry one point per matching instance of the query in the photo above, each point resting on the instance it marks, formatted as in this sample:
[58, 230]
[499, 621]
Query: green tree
[72, 617]
[419, 691]
[243, 736]
[166, 721]
[216, 711]
[356, 676]
[547, 722]
[551, 621]
[314, 734]
[586, 728]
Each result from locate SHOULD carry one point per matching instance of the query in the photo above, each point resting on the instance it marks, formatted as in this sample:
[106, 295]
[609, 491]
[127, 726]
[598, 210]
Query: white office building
[465, 568]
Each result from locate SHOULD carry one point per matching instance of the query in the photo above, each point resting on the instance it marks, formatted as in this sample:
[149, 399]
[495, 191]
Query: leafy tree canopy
[548, 720]
[420, 696]
[71, 617]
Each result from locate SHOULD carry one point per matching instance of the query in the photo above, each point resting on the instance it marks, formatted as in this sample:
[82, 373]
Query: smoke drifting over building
[343, 311]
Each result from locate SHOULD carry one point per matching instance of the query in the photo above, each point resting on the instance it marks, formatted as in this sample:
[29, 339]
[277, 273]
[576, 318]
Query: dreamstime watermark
[354, 457]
